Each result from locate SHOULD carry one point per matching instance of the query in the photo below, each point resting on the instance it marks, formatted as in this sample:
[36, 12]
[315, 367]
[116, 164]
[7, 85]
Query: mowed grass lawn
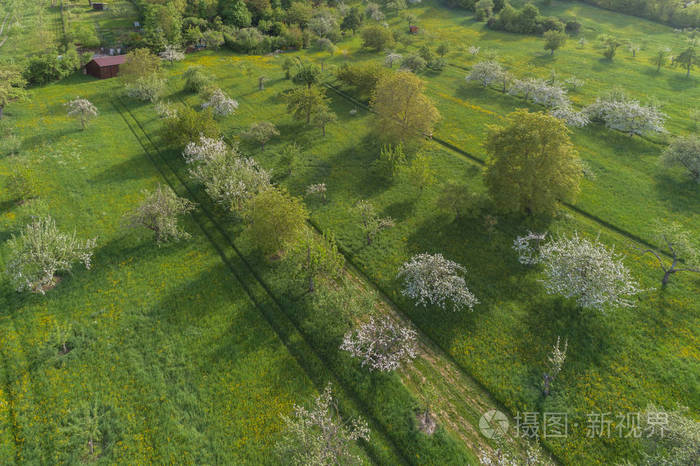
[165, 343]
[617, 363]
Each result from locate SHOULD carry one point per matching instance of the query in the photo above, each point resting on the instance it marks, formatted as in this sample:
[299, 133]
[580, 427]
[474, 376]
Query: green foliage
[554, 40]
[306, 73]
[11, 87]
[45, 68]
[363, 77]
[196, 79]
[188, 126]
[139, 64]
[404, 113]
[304, 102]
[314, 260]
[377, 37]
[352, 20]
[418, 172]
[275, 219]
[260, 132]
[235, 13]
[21, 184]
[391, 160]
[460, 201]
[532, 164]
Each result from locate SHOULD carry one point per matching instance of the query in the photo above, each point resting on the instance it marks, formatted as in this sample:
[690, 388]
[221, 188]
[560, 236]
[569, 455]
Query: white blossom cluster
[165, 109]
[628, 116]
[528, 247]
[220, 103]
[432, 279]
[381, 344]
[82, 109]
[319, 188]
[501, 457]
[40, 251]
[588, 272]
[474, 50]
[392, 58]
[228, 178]
[171, 54]
[205, 149]
[570, 116]
[574, 83]
[539, 91]
[147, 88]
[319, 435]
[486, 72]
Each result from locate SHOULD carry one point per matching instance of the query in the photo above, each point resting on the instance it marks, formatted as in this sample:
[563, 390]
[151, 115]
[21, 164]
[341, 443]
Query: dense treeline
[678, 13]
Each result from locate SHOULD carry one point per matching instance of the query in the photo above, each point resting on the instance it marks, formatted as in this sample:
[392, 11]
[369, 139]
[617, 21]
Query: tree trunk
[658, 67]
[2, 107]
[687, 74]
[369, 238]
[311, 275]
[667, 277]
[323, 129]
[547, 382]
[262, 146]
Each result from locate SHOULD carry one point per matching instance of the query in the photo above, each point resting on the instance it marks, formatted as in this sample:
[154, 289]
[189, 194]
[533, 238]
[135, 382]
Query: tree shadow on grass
[678, 82]
[681, 194]
[134, 168]
[47, 137]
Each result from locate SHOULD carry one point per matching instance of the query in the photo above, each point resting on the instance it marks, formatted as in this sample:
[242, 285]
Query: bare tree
[371, 222]
[680, 247]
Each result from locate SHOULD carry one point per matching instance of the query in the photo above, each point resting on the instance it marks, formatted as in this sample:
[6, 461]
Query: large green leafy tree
[404, 113]
[532, 163]
[688, 58]
[304, 102]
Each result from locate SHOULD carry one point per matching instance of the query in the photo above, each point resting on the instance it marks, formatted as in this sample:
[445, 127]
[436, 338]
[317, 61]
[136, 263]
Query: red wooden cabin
[105, 67]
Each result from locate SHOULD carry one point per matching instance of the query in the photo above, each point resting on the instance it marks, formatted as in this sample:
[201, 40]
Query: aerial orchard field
[364, 233]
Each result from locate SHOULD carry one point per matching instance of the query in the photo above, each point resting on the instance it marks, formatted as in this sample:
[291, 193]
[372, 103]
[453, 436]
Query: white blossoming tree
[570, 116]
[260, 132]
[220, 103]
[159, 213]
[391, 58]
[539, 91]
[588, 272]
[381, 345]
[81, 109]
[372, 223]
[528, 247]
[680, 246]
[40, 251]
[319, 436]
[430, 279]
[171, 54]
[628, 116]
[146, 88]
[486, 72]
[555, 360]
[318, 189]
[204, 150]
[229, 178]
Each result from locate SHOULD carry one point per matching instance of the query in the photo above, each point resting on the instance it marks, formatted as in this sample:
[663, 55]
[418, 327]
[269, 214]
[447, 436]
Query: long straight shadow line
[350, 393]
[603, 223]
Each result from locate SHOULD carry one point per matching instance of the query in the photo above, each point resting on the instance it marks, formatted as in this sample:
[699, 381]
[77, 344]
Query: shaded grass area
[617, 363]
[164, 341]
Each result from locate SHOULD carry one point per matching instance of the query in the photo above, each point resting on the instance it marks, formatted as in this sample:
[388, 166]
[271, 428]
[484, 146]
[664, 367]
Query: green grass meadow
[190, 365]
[166, 340]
